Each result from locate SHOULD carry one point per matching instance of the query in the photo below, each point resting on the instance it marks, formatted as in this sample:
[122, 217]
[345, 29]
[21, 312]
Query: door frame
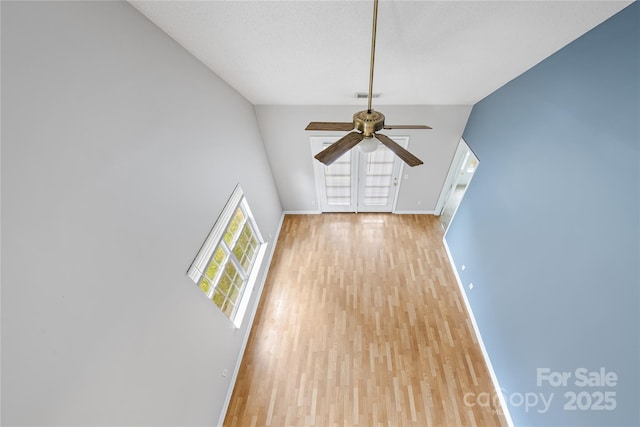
[452, 175]
[459, 172]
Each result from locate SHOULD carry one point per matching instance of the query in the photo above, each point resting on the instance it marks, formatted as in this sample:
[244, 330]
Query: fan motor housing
[368, 122]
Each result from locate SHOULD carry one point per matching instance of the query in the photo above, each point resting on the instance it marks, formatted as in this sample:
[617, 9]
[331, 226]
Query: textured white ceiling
[428, 52]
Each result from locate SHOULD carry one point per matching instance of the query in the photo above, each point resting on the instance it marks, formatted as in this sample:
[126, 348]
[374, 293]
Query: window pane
[251, 250]
[218, 298]
[242, 242]
[212, 269]
[234, 227]
[245, 261]
[219, 256]
[233, 295]
[245, 249]
[237, 282]
[228, 308]
[230, 270]
[225, 283]
[214, 265]
[205, 285]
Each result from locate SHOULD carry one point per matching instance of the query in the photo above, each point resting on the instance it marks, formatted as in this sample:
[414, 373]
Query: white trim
[466, 188]
[215, 240]
[252, 219]
[248, 289]
[414, 212]
[395, 212]
[452, 175]
[245, 339]
[487, 360]
[199, 264]
[302, 212]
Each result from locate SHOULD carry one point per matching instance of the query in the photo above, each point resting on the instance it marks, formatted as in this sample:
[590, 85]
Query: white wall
[119, 150]
[290, 156]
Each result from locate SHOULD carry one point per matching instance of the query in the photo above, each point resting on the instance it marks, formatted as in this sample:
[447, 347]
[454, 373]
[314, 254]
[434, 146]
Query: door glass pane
[338, 181]
[378, 177]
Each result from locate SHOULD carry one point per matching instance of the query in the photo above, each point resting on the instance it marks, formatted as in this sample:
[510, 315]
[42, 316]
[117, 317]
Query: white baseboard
[487, 360]
[303, 212]
[415, 212]
[395, 212]
[245, 339]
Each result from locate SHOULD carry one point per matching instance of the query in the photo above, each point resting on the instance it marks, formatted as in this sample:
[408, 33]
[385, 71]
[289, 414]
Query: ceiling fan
[367, 123]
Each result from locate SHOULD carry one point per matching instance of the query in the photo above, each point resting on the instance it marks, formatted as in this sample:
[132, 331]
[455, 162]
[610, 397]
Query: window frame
[198, 271]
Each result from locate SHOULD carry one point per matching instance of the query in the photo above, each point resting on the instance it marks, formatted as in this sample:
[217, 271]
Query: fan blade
[406, 156]
[338, 148]
[342, 126]
[407, 127]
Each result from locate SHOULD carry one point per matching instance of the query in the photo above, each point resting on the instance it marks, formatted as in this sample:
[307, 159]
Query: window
[226, 267]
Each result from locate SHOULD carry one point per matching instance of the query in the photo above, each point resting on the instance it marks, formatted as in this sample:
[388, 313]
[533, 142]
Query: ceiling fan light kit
[367, 123]
[368, 145]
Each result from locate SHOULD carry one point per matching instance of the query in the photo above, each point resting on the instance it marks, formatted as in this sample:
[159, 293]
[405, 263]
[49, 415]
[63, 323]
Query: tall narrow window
[225, 269]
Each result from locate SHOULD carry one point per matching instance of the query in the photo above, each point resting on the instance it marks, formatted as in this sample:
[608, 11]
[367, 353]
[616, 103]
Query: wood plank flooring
[361, 322]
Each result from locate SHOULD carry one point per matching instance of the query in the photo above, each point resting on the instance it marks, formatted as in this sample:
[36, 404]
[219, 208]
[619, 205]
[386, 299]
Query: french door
[358, 182]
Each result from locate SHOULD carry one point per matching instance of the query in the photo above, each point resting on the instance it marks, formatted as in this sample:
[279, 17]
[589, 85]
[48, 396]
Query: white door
[358, 182]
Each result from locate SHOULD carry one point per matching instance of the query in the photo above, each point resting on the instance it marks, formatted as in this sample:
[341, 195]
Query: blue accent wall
[549, 229]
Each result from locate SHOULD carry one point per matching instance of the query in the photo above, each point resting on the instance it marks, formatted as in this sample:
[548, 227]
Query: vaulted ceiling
[428, 52]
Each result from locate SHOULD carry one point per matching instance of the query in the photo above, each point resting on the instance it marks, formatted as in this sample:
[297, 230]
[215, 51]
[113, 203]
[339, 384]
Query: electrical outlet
[463, 268]
[470, 285]
[225, 372]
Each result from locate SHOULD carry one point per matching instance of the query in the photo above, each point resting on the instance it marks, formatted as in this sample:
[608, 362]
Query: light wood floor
[361, 322]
